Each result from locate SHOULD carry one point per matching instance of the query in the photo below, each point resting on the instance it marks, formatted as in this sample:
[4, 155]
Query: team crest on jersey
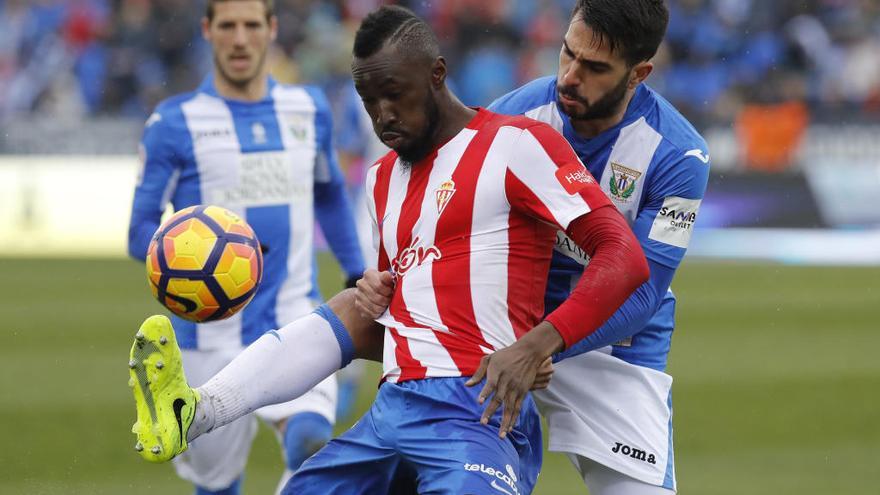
[443, 194]
[623, 181]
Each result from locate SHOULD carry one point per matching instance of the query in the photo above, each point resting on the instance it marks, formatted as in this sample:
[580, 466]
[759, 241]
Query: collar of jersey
[586, 146]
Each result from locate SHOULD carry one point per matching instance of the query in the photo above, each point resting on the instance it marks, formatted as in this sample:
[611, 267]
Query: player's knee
[233, 489]
[304, 435]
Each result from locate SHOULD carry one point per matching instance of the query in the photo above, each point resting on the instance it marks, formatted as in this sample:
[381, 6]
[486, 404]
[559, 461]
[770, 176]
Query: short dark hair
[395, 24]
[209, 8]
[633, 28]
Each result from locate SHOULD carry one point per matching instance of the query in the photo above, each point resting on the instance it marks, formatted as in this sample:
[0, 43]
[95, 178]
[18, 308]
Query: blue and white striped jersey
[654, 166]
[270, 161]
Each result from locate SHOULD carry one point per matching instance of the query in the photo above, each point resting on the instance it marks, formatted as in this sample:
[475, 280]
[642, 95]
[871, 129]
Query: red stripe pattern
[486, 202]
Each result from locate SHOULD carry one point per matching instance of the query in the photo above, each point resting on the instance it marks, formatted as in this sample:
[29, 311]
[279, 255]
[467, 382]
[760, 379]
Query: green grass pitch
[776, 382]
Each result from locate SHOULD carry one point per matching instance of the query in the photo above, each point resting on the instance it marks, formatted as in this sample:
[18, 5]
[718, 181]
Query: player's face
[240, 36]
[400, 100]
[592, 81]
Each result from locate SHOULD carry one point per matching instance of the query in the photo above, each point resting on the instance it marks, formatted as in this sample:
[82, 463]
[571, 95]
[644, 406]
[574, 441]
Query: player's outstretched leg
[165, 403]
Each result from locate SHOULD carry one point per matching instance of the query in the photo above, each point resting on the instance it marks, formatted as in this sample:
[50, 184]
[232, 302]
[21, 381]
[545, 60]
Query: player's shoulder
[383, 165]
[541, 130]
[532, 95]
[679, 136]
[168, 114]
[168, 121]
[680, 162]
[309, 95]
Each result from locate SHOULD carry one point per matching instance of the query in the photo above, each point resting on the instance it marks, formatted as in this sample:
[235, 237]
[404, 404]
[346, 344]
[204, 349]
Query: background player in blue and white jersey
[610, 410]
[263, 150]
[358, 148]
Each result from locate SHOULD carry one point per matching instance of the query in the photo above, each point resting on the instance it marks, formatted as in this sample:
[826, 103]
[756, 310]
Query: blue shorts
[426, 434]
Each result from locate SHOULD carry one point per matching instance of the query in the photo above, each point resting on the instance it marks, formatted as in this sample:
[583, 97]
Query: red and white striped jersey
[468, 233]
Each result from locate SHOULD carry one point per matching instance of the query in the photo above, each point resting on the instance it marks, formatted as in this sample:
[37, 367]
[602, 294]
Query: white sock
[278, 367]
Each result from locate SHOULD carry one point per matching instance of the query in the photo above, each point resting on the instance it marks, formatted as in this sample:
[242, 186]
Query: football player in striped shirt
[263, 150]
[465, 211]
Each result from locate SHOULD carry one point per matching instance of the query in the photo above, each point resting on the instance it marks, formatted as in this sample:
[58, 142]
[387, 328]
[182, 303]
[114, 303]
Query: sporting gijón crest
[443, 194]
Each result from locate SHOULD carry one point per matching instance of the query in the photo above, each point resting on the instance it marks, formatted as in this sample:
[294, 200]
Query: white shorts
[614, 413]
[215, 460]
[602, 480]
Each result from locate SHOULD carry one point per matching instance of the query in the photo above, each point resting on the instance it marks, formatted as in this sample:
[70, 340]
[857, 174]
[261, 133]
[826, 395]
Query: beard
[604, 107]
[421, 145]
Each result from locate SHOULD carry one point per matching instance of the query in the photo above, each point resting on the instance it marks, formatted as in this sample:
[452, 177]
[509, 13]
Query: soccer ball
[204, 263]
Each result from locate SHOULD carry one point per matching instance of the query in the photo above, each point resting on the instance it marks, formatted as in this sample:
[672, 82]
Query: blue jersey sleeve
[350, 135]
[663, 227]
[332, 206]
[156, 182]
[631, 317]
[666, 221]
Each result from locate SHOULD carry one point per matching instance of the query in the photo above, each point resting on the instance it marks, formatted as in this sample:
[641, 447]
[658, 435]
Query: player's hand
[511, 372]
[374, 293]
[545, 373]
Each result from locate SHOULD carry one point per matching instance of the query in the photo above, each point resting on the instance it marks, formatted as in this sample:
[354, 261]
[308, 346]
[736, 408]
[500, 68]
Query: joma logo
[633, 452]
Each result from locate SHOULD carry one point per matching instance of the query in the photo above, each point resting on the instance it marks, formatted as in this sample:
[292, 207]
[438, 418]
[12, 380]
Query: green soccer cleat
[165, 403]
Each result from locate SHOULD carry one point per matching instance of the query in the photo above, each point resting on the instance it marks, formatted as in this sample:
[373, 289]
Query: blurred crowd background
[785, 88]
[120, 57]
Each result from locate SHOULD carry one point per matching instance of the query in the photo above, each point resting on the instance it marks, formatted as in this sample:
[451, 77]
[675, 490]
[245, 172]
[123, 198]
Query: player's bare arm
[366, 334]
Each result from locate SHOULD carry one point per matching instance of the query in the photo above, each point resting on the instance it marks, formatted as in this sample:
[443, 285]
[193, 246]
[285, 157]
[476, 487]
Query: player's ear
[273, 27]
[639, 73]
[438, 72]
[206, 29]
